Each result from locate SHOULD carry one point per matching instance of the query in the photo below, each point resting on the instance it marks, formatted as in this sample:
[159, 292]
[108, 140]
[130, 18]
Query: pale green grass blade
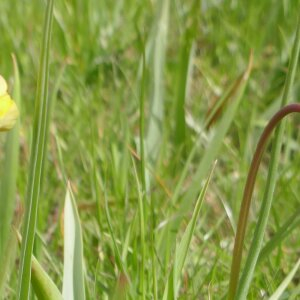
[73, 279]
[285, 282]
[155, 55]
[8, 184]
[38, 150]
[43, 286]
[210, 154]
[213, 148]
[256, 244]
[181, 250]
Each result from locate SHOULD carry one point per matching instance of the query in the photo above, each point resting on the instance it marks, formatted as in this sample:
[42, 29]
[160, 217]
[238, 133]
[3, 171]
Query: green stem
[248, 191]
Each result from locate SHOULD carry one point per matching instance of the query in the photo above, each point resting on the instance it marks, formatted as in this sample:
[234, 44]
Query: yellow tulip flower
[9, 112]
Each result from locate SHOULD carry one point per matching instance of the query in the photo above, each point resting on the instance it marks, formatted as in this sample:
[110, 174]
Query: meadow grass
[144, 96]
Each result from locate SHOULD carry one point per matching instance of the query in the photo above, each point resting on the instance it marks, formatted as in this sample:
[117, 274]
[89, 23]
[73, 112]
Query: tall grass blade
[73, 279]
[172, 286]
[119, 260]
[213, 148]
[236, 92]
[8, 184]
[155, 52]
[141, 210]
[256, 244]
[143, 195]
[38, 150]
[285, 282]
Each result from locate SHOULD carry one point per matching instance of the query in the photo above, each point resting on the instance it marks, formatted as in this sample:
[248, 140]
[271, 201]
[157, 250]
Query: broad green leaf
[73, 279]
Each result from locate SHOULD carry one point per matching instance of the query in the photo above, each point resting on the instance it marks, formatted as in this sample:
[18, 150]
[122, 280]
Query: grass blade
[256, 244]
[172, 285]
[73, 280]
[38, 150]
[236, 91]
[157, 48]
[141, 206]
[285, 282]
[213, 148]
[43, 286]
[124, 277]
[292, 223]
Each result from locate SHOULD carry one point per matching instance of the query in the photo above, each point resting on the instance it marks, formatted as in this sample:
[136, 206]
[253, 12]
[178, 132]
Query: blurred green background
[198, 51]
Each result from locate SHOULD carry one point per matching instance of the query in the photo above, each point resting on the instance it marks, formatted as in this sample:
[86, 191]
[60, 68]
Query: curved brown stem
[248, 191]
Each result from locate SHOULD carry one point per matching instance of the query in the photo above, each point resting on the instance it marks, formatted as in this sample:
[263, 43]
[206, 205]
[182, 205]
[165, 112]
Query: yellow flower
[8, 109]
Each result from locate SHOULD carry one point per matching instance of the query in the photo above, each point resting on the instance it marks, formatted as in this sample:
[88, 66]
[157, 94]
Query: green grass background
[98, 46]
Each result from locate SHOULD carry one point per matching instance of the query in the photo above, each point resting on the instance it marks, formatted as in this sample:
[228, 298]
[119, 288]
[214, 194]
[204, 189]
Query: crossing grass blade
[8, 184]
[236, 92]
[283, 232]
[282, 287]
[256, 243]
[38, 151]
[73, 279]
[43, 286]
[181, 250]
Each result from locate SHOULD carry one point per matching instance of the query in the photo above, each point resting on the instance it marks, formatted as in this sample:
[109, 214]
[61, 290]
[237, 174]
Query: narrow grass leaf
[279, 291]
[38, 150]
[73, 279]
[213, 148]
[141, 206]
[236, 91]
[257, 240]
[292, 223]
[181, 250]
[119, 261]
